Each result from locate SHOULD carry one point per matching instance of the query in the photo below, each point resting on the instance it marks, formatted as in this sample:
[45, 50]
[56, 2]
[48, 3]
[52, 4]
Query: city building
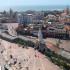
[19, 18]
[67, 11]
[10, 28]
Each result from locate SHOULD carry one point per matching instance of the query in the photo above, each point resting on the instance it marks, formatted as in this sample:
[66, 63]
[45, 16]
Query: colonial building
[11, 28]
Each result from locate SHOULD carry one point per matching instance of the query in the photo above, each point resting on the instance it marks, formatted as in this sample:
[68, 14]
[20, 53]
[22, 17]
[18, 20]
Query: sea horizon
[34, 8]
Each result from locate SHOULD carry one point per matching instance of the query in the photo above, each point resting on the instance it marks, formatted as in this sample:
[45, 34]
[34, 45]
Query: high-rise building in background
[19, 18]
[67, 11]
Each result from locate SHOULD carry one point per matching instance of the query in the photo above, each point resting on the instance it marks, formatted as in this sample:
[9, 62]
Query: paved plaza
[14, 57]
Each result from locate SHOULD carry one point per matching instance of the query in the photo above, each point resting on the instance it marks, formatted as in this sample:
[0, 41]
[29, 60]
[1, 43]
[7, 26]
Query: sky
[4, 3]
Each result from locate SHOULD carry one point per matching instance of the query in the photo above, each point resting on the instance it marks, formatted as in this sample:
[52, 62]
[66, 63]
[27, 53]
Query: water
[36, 8]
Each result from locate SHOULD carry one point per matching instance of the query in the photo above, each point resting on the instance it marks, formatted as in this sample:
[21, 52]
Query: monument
[41, 41]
